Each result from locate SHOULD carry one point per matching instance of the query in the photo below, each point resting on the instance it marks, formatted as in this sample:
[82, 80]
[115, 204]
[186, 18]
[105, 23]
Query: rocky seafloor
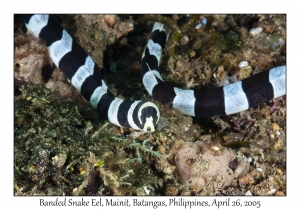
[63, 147]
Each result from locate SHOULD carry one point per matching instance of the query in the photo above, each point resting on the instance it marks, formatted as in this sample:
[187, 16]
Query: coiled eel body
[86, 77]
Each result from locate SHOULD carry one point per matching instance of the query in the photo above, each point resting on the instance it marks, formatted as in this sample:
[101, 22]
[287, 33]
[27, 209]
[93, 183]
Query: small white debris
[271, 192]
[248, 193]
[216, 149]
[204, 21]
[249, 159]
[146, 190]
[255, 31]
[259, 169]
[243, 64]
[198, 26]
[278, 133]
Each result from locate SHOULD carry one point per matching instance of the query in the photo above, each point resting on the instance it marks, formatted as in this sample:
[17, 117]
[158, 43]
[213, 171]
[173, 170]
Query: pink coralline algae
[201, 163]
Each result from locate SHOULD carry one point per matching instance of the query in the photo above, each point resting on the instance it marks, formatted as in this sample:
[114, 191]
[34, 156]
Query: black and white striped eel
[226, 100]
[86, 77]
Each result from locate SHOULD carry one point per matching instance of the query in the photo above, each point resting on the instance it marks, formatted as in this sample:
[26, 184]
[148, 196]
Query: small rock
[171, 190]
[110, 20]
[248, 193]
[246, 181]
[280, 144]
[242, 169]
[192, 54]
[184, 40]
[169, 170]
[275, 127]
[161, 149]
[255, 31]
[59, 160]
[245, 72]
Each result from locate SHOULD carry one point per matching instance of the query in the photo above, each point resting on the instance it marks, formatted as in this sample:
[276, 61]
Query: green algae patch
[61, 147]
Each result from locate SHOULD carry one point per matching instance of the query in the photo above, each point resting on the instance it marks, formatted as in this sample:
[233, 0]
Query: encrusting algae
[56, 145]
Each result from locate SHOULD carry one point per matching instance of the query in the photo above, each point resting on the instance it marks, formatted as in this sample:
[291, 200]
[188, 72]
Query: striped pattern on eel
[86, 77]
[226, 100]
